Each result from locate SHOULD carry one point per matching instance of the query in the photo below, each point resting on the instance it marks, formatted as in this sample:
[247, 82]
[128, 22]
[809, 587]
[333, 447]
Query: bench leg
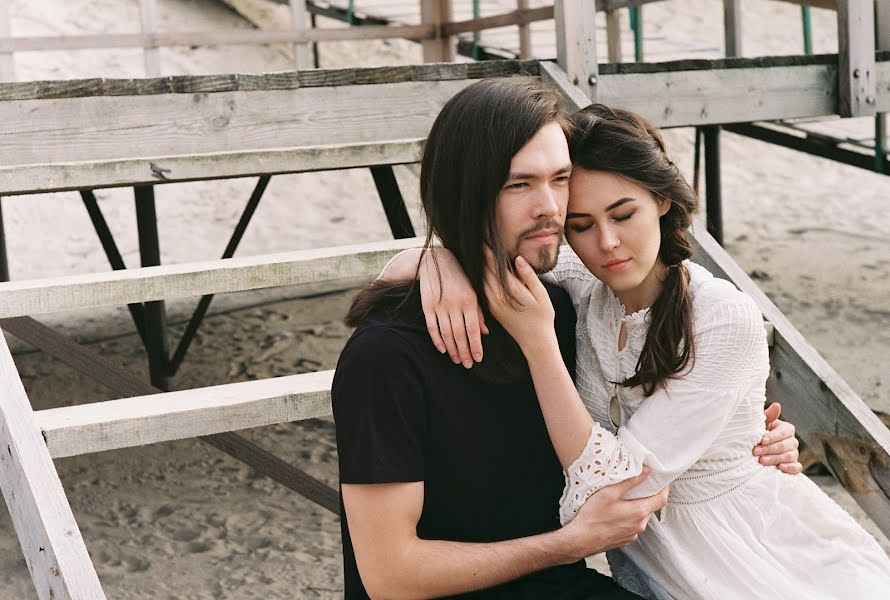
[393, 203]
[713, 196]
[155, 315]
[4, 265]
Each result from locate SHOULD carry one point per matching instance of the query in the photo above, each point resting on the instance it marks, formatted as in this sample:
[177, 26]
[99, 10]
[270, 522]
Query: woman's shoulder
[713, 297]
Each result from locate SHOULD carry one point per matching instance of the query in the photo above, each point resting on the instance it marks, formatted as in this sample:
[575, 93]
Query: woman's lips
[617, 265]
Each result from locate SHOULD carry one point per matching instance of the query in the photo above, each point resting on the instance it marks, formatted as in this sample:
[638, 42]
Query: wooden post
[525, 34]
[857, 81]
[298, 20]
[51, 541]
[7, 64]
[732, 27]
[882, 24]
[436, 12]
[576, 43]
[150, 53]
[613, 35]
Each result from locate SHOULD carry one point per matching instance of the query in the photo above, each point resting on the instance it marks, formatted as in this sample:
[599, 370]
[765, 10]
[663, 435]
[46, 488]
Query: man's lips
[539, 236]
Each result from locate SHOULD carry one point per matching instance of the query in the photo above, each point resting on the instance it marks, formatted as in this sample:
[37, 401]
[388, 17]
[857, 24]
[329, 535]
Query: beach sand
[181, 520]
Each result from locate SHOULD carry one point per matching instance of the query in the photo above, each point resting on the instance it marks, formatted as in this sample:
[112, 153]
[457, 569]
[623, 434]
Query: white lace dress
[732, 528]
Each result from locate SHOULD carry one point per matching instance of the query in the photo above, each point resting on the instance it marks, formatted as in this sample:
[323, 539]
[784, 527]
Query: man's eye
[518, 186]
[562, 179]
[624, 217]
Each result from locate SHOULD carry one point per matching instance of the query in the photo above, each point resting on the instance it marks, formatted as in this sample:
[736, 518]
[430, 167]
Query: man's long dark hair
[466, 161]
[626, 144]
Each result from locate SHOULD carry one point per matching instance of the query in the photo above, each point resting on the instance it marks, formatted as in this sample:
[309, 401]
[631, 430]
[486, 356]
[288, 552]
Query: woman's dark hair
[466, 161]
[621, 142]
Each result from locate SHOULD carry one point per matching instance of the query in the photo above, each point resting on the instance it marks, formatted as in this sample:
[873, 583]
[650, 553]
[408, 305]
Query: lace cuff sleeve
[603, 462]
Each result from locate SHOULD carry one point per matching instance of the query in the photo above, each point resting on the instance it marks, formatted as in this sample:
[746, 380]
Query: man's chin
[542, 260]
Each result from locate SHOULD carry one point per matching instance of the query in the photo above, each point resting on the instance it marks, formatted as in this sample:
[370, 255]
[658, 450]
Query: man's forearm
[433, 568]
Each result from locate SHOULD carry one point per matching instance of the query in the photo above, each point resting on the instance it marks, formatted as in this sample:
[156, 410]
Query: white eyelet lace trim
[603, 462]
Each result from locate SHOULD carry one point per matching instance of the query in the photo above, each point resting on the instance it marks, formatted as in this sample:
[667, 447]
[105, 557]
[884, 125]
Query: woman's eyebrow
[618, 203]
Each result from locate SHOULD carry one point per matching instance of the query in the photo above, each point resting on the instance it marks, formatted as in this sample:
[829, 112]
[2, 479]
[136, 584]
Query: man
[449, 482]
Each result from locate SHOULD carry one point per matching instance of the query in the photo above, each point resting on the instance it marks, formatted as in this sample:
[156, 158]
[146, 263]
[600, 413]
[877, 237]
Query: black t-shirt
[406, 413]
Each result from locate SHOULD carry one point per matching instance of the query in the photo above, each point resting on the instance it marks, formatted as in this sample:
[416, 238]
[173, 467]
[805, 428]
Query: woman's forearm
[568, 422]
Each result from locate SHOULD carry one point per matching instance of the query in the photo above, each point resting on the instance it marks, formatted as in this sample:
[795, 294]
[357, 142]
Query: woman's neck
[643, 295]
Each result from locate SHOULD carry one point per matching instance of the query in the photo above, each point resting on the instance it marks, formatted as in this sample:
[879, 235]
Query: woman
[671, 372]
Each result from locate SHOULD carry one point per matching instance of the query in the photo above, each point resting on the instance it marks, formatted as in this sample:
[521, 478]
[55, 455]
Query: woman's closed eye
[623, 217]
[579, 227]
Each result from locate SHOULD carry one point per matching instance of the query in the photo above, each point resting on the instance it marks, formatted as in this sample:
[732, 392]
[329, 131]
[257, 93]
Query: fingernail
[758, 451]
[477, 357]
[440, 349]
[765, 440]
[467, 363]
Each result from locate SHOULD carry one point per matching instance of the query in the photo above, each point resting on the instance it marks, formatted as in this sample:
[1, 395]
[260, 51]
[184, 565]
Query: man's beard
[544, 259]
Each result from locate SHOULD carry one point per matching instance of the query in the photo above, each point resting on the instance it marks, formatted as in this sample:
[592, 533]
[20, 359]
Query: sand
[181, 520]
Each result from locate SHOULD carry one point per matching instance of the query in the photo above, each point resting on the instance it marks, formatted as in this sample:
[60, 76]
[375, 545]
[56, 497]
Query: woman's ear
[664, 205]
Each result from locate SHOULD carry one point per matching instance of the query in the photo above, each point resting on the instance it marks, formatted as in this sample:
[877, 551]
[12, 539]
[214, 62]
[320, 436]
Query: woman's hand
[453, 316]
[530, 319]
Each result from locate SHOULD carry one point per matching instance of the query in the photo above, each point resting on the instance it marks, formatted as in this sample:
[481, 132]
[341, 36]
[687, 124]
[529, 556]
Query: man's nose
[547, 202]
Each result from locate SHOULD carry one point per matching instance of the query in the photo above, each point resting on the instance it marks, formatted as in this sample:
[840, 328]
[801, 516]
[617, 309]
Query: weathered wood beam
[576, 43]
[298, 22]
[7, 62]
[52, 544]
[434, 14]
[148, 13]
[80, 130]
[40, 296]
[100, 369]
[56, 177]
[575, 99]
[141, 420]
[829, 416]
[857, 83]
[732, 95]
[236, 37]
[516, 17]
[253, 82]
[732, 27]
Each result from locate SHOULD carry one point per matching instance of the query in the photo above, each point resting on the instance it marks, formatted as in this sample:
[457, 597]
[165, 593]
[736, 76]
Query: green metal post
[636, 25]
[350, 11]
[880, 142]
[807, 23]
[476, 15]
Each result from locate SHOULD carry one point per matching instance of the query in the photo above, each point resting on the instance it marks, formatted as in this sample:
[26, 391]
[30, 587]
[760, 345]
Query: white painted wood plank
[137, 421]
[7, 61]
[857, 85]
[298, 22]
[683, 98]
[148, 12]
[732, 27]
[613, 35]
[25, 179]
[576, 42]
[555, 76]
[525, 33]
[882, 24]
[128, 127]
[51, 541]
[115, 288]
[434, 13]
